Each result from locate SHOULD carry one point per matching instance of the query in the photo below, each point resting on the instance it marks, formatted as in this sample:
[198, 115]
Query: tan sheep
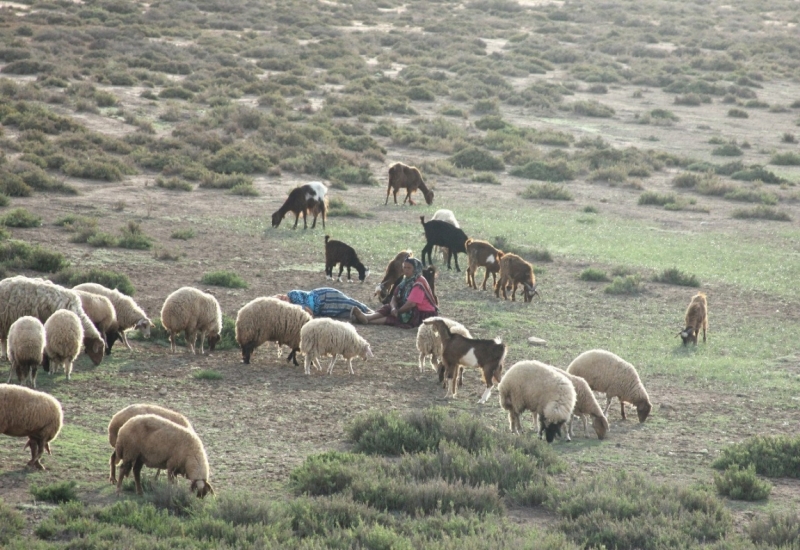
[696, 318]
[610, 374]
[63, 335]
[430, 345]
[585, 403]
[192, 311]
[101, 312]
[270, 320]
[129, 314]
[26, 342]
[542, 389]
[408, 177]
[152, 441]
[119, 419]
[328, 337]
[32, 414]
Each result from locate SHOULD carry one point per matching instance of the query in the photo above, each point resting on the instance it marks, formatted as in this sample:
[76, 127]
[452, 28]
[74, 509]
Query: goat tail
[468, 242]
[326, 238]
[422, 220]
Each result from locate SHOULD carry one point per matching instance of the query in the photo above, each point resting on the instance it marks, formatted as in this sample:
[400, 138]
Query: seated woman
[324, 302]
[412, 301]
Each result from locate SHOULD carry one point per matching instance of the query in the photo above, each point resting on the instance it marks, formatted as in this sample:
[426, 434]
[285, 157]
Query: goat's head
[277, 218]
[363, 274]
[688, 335]
[213, 340]
[428, 196]
[600, 425]
[530, 292]
[643, 410]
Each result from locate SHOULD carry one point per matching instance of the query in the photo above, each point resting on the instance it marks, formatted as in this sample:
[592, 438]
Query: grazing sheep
[612, 375]
[394, 271]
[32, 414]
[152, 441]
[458, 350]
[119, 419]
[696, 318]
[270, 320]
[192, 311]
[63, 336]
[514, 271]
[542, 389]
[20, 296]
[26, 342]
[409, 177]
[429, 344]
[129, 314]
[586, 403]
[309, 197]
[337, 252]
[449, 217]
[101, 312]
[482, 254]
[442, 233]
[328, 337]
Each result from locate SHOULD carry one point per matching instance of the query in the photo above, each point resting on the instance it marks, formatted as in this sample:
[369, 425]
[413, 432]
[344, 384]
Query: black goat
[439, 233]
[337, 252]
[309, 197]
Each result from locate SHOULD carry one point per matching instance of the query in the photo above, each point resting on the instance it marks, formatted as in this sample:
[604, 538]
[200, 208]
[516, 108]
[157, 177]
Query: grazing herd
[42, 323]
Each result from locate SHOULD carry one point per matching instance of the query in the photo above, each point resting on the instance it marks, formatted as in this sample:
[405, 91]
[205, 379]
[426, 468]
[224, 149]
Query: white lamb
[63, 334]
[26, 342]
[430, 345]
[328, 337]
[270, 320]
[586, 403]
[542, 389]
[129, 314]
[192, 311]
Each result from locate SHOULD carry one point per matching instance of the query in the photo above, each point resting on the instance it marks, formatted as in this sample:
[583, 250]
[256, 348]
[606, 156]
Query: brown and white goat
[515, 271]
[482, 254]
[393, 272]
[696, 318]
[409, 177]
[337, 252]
[310, 197]
[457, 350]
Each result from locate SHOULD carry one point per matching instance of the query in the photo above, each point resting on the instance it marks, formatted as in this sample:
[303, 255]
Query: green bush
[548, 191]
[738, 113]
[592, 109]
[674, 276]
[174, 92]
[133, 237]
[741, 484]
[553, 171]
[11, 523]
[630, 284]
[12, 185]
[207, 375]
[100, 239]
[21, 255]
[174, 184]
[762, 212]
[651, 197]
[686, 180]
[484, 177]
[20, 217]
[241, 158]
[477, 159]
[751, 195]
[244, 190]
[61, 491]
[4, 200]
[490, 122]
[593, 274]
[338, 208]
[351, 175]
[109, 279]
[756, 173]
[777, 530]
[211, 180]
[183, 234]
[772, 456]
[226, 279]
[728, 150]
[91, 169]
[790, 158]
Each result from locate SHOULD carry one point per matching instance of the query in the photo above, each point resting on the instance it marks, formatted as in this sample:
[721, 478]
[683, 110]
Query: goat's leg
[408, 196]
[455, 254]
[422, 356]
[485, 278]
[388, 190]
[313, 225]
[305, 223]
[349, 279]
[395, 195]
[339, 277]
[514, 292]
[427, 250]
[296, 219]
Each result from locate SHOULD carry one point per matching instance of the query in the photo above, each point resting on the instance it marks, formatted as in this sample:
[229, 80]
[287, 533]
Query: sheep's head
[600, 425]
[144, 325]
[367, 352]
[428, 196]
[688, 335]
[643, 410]
[202, 488]
[552, 429]
[277, 218]
[213, 340]
[95, 349]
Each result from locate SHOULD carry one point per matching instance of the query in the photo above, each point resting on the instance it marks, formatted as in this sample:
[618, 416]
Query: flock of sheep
[42, 323]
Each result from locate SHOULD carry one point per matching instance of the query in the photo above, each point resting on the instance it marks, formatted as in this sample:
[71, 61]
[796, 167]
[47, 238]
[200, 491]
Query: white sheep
[20, 296]
[610, 374]
[101, 312]
[542, 389]
[585, 403]
[430, 345]
[63, 336]
[32, 414]
[328, 337]
[121, 417]
[270, 320]
[129, 314]
[153, 441]
[26, 342]
[192, 311]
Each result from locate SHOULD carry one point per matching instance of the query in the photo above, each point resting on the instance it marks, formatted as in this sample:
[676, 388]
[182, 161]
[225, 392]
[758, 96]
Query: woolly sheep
[430, 345]
[192, 311]
[63, 336]
[269, 320]
[20, 296]
[129, 314]
[32, 414]
[696, 318]
[585, 403]
[25, 348]
[542, 389]
[324, 337]
[612, 375]
[101, 312]
[152, 441]
[119, 419]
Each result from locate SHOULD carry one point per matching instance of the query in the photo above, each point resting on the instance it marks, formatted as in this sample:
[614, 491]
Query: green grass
[208, 374]
[762, 212]
[594, 275]
[226, 279]
[183, 234]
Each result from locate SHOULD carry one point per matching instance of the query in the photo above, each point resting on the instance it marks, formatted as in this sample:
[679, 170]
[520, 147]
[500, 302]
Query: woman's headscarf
[303, 299]
[405, 286]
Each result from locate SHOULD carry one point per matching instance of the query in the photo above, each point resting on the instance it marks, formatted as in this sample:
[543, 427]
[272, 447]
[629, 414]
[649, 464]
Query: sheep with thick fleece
[192, 311]
[270, 320]
[430, 345]
[26, 342]
[20, 296]
[119, 419]
[101, 312]
[585, 403]
[153, 441]
[63, 337]
[129, 314]
[696, 319]
[610, 374]
[328, 337]
[32, 414]
[542, 389]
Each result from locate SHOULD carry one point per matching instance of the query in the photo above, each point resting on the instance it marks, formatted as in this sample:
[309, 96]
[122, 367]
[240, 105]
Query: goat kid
[337, 252]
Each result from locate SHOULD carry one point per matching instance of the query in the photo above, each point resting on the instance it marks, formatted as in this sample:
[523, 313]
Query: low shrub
[674, 276]
[109, 279]
[207, 374]
[22, 255]
[630, 284]
[484, 177]
[686, 180]
[100, 239]
[592, 109]
[133, 237]
[173, 184]
[772, 456]
[183, 234]
[477, 159]
[594, 275]
[548, 191]
[244, 190]
[751, 195]
[728, 150]
[738, 113]
[338, 208]
[789, 158]
[11, 523]
[653, 198]
[212, 180]
[4, 200]
[741, 484]
[756, 173]
[553, 171]
[58, 492]
[20, 217]
[762, 212]
[226, 279]
[352, 175]
[777, 530]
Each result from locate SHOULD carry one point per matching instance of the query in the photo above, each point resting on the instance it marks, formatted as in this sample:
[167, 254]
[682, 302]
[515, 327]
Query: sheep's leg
[3, 349]
[202, 339]
[395, 195]
[68, 369]
[514, 292]
[569, 425]
[350, 364]
[191, 337]
[307, 364]
[124, 470]
[704, 333]
[11, 373]
[622, 407]
[333, 362]
[422, 357]
[585, 427]
[137, 476]
[513, 420]
[608, 405]
[113, 463]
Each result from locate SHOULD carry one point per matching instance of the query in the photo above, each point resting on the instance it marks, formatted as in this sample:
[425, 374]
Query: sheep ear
[369, 351]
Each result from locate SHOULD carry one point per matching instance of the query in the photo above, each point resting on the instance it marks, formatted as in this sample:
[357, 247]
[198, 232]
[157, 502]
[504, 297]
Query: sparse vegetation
[628, 284]
[741, 484]
[226, 279]
[762, 212]
[674, 276]
[594, 275]
[20, 217]
[546, 191]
